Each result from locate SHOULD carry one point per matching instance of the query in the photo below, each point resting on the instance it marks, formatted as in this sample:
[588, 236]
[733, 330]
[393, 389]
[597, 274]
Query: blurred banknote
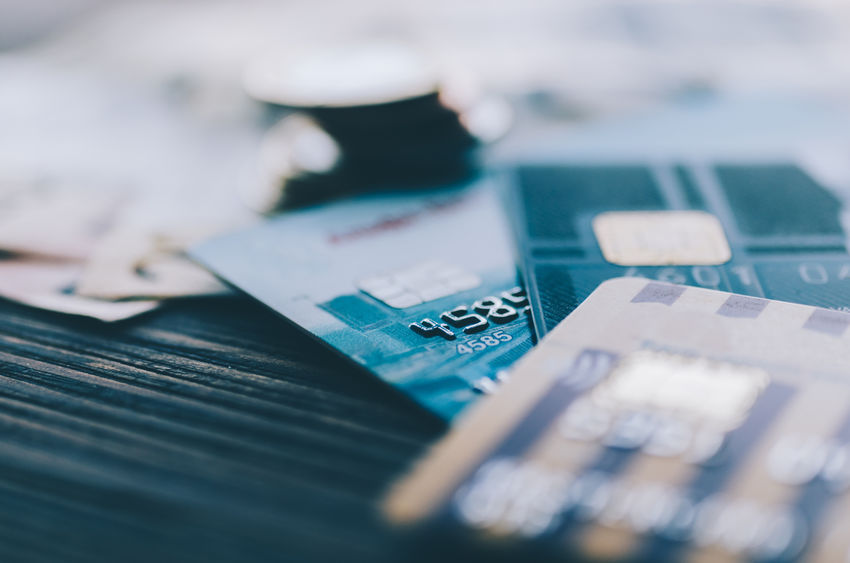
[47, 230]
[154, 155]
[140, 262]
[49, 284]
[48, 217]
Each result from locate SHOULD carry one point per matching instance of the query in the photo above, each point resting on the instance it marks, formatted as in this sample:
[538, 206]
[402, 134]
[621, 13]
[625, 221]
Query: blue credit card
[766, 229]
[418, 287]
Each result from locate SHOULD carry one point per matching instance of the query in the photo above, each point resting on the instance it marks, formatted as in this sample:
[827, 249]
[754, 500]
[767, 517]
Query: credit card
[765, 229]
[418, 287]
[657, 422]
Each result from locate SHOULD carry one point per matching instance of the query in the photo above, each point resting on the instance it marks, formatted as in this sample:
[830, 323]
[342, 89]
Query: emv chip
[661, 238]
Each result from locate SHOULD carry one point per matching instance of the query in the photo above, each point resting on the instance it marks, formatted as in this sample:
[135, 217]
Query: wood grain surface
[210, 430]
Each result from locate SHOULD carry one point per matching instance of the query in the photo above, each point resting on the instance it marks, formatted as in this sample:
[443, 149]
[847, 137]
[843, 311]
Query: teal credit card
[749, 195]
[766, 229]
[418, 287]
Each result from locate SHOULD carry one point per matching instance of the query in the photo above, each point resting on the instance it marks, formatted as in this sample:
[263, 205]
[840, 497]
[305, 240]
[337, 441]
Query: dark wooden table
[210, 430]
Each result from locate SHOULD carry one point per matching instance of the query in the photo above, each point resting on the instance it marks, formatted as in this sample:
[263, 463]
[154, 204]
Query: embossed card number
[499, 310]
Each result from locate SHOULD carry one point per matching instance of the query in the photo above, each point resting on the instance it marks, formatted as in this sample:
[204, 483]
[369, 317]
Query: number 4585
[478, 344]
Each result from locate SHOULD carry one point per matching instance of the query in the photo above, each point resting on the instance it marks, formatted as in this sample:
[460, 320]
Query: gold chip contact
[661, 238]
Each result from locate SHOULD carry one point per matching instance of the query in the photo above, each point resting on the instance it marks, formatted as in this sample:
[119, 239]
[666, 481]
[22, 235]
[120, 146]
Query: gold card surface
[657, 421]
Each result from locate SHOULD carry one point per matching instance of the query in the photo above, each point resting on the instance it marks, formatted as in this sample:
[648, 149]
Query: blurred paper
[51, 218]
[48, 228]
[50, 285]
[136, 262]
[172, 167]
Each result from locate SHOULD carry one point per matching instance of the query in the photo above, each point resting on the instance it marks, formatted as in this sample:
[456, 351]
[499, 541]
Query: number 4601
[478, 344]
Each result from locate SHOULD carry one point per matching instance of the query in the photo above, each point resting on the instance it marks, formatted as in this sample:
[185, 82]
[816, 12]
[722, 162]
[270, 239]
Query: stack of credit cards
[688, 398]
[421, 288]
